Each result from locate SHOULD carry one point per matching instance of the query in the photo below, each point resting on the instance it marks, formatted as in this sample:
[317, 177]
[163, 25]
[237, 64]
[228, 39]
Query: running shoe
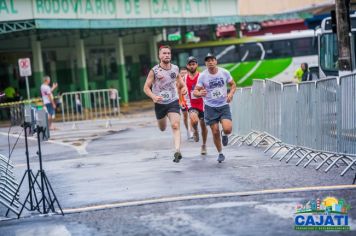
[177, 157]
[203, 150]
[196, 135]
[221, 158]
[190, 136]
[224, 139]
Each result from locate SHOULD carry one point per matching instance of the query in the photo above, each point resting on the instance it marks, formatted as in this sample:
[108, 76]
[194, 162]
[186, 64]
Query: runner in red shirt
[195, 105]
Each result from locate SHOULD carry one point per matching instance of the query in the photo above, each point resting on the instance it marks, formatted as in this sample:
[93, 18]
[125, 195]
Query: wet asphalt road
[94, 165]
[250, 215]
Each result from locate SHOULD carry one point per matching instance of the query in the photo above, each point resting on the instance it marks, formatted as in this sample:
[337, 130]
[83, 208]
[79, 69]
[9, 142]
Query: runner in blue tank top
[161, 86]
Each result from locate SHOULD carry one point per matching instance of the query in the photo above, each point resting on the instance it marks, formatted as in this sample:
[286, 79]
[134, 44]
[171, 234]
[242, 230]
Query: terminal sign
[25, 67]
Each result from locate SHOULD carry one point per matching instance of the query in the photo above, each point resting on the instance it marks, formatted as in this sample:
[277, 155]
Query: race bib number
[166, 95]
[217, 93]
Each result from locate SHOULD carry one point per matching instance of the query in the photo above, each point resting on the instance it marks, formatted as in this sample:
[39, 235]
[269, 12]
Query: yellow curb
[206, 196]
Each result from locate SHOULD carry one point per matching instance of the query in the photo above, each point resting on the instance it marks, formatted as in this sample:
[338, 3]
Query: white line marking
[245, 56]
[226, 50]
[206, 196]
[242, 60]
[234, 67]
[80, 149]
[255, 67]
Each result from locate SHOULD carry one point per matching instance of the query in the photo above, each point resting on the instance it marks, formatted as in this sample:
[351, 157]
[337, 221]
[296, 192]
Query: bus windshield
[329, 53]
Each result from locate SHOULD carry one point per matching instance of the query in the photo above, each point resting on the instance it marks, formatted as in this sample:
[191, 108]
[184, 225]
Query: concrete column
[153, 49]
[53, 68]
[13, 81]
[81, 64]
[82, 70]
[37, 65]
[72, 68]
[120, 60]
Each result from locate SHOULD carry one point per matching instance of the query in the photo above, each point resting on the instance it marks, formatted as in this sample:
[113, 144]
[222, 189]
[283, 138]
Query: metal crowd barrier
[313, 121]
[90, 105]
[12, 112]
[8, 185]
[305, 155]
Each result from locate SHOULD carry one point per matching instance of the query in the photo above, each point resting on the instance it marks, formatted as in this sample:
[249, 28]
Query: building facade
[96, 44]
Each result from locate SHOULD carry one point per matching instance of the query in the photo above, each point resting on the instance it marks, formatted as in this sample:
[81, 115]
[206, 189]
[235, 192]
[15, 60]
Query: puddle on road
[52, 230]
[282, 210]
[77, 144]
[82, 165]
[174, 171]
[118, 131]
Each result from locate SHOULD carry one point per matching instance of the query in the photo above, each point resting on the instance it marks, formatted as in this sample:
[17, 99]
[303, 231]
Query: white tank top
[164, 84]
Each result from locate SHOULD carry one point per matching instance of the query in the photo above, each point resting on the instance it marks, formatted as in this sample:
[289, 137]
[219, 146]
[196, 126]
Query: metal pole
[40, 172]
[27, 88]
[25, 126]
[343, 30]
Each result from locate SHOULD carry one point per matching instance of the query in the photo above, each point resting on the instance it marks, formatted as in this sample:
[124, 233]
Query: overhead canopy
[96, 14]
[280, 7]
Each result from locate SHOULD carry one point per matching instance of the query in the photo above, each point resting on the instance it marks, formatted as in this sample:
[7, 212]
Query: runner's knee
[227, 130]
[194, 122]
[175, 125]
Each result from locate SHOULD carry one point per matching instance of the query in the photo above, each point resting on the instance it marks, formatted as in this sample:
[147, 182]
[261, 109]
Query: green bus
[272, 56]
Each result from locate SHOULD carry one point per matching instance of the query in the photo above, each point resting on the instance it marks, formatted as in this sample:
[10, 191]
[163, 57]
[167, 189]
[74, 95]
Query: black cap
[209, 55]
[191, 59]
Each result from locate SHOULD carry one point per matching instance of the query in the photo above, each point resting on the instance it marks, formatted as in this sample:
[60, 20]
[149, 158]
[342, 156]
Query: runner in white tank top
[164, 79]
[165, 83]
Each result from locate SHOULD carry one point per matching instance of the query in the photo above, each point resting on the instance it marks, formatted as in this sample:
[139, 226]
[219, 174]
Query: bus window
[278, 49]
[250, 52]
[200, 54]
[303, 47]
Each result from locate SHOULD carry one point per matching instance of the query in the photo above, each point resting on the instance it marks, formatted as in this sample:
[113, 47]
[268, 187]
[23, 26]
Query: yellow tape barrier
[38, 101]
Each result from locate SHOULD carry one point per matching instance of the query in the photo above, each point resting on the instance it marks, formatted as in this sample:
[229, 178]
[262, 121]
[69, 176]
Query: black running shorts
[200, 113]
[162, 110]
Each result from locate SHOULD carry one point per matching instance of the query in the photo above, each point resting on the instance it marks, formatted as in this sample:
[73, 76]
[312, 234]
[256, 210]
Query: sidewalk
[137, 107]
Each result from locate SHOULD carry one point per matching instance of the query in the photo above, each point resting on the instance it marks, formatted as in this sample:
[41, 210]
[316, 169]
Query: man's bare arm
[230, 96]
[54, 86]
[182, 87]
[199, 91]
[147, 88]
